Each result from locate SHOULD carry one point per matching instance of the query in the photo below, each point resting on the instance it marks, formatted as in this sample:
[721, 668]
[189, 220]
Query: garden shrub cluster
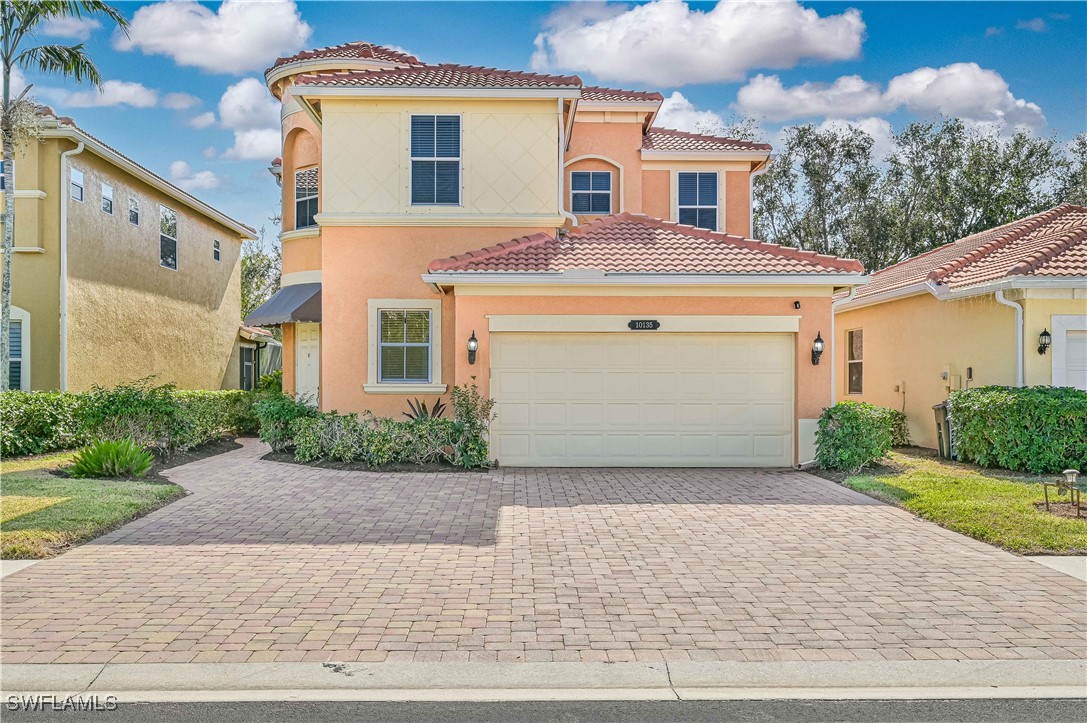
[154, 417]
[1029, 429]
[853, 435]
[375, 441]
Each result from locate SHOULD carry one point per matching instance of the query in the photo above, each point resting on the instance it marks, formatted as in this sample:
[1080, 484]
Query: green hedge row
[155, 417]
[853, 435]
[1029, 429]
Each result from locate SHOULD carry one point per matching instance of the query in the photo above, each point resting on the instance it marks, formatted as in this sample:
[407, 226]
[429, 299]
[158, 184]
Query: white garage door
[1075, 359]
[652, 399]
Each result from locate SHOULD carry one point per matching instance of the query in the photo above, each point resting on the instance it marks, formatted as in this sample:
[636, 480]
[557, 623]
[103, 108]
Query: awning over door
[298, 302]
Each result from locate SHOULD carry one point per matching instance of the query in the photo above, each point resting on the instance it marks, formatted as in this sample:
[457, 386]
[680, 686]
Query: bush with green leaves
[1029, 429]
[275, 413]
[111, 458]
[853, 435]
[38, 422]
[147, 414]
[209, 415]
[271, 382]
[472, 415]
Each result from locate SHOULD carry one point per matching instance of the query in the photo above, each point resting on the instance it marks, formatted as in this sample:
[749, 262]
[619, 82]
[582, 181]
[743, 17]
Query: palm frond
[69, 61]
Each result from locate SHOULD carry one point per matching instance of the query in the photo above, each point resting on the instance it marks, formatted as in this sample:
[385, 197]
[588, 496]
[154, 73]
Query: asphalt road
[892, 711]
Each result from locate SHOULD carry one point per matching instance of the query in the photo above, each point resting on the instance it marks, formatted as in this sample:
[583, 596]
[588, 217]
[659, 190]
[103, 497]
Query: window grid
[697, 199]
[305, 197]
[107, 199]
[15, 354]
[854, 361]
[590, 192]
[396, 361]
[168, 238]
[435, 160]
[77, 185]
[133, 211]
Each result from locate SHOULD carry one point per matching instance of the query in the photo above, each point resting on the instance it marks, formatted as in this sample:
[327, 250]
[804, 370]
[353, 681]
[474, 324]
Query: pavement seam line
[96, 677]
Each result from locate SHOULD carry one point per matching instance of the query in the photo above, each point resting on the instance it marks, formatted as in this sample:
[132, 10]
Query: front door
[307, 382]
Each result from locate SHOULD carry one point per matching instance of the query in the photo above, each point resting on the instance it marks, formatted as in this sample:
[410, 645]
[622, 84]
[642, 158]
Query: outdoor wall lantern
[473, 347]
[817, 348]
[1044, 340]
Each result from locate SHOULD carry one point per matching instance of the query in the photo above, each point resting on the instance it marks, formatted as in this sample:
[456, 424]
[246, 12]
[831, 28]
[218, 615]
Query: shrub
[272, 382]
[148, 415]
[275, 413]
[37, 422]
[852, 435]
[419, 410]
[1030, 429]
[208, 415]
[111, 458]
[472, 415]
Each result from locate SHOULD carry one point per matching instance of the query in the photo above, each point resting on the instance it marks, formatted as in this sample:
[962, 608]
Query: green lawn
[987, 505]
[41, 514]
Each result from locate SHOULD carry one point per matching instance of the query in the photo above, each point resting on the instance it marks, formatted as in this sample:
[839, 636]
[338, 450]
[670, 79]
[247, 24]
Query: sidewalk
[554, 681]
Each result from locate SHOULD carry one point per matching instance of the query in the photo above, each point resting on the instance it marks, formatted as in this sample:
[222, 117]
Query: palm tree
[18, 20]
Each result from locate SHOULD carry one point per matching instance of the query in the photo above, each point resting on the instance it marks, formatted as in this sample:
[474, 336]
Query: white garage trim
[1062, 324]
[608, 324]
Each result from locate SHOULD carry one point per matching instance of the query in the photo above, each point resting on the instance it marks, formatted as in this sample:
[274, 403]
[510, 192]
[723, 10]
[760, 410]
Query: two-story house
[590, 271]
[120, 275]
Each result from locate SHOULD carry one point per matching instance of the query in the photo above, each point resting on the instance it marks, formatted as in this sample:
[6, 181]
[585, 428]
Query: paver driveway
[268, 561]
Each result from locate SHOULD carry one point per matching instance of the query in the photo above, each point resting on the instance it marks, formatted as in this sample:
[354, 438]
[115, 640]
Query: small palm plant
[418, 410]
[111, 459]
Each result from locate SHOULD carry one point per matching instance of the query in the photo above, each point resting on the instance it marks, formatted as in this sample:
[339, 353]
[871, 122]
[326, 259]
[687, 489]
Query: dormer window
[305, 197]
[697, 200]
[435, 160]
[590, 192]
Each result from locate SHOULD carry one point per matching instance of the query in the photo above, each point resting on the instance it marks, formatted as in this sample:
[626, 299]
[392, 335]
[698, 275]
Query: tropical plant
[418, 410]
[853, 435]
[21, 20]
[111, 458]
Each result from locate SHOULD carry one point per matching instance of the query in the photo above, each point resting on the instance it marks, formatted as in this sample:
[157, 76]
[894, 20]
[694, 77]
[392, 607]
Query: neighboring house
[968, 314]
[614, 308]
[118, 274]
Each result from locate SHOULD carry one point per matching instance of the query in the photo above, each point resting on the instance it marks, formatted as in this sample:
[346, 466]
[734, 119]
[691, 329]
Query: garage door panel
[643, 399]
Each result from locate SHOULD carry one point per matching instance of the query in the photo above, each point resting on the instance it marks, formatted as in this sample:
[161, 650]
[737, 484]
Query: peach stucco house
[600, 264]
[1005, 306]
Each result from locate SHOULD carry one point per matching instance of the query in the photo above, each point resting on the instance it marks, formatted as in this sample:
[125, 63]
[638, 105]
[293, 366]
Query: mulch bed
[288, 458]
[1062, 509]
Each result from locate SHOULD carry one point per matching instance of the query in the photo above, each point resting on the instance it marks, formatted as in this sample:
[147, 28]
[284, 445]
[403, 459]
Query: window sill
[388, 388]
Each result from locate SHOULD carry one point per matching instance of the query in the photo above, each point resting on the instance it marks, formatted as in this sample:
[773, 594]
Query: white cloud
[1035, 25]
[993, 31]
[667, 43]
[180, 101]
[18, 80]
[240, 37]
[112, 93]
[204, 120]
[963, 90]
[75, 28]
[248, 109]
[183, 175]
[679, 113]
[210, 152]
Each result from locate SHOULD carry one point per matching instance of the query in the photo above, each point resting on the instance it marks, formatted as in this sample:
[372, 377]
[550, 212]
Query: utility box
[943, 430]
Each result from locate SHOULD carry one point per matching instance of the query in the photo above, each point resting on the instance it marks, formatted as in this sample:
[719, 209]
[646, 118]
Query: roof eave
[590, 277]
[944, 293]
[515, 92]
[722, 155]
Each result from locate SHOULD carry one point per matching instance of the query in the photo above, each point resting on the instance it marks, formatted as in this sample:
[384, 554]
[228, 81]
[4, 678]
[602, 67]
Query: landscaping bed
[995, 506]
[361, 466]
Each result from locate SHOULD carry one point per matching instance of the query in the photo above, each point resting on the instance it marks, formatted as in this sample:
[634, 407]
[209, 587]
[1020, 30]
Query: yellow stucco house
[118, 274]
[592, 272]
[1005, 306]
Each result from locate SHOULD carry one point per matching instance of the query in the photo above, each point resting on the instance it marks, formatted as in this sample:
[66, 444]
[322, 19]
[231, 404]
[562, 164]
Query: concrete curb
[178, 682]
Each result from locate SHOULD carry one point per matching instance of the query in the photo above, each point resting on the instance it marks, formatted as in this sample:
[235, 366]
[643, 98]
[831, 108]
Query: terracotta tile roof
[445, 75]
[596, 94]
[632, 243]
[666, 139]
[358, 50]
[1051, 243]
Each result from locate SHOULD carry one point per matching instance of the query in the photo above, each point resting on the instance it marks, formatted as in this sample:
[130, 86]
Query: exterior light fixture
[1070, 476]
[1045, 339]
[817, 348]
[473, 347]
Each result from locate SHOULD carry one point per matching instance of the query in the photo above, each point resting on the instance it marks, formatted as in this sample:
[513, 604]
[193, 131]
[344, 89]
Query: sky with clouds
[184, 91]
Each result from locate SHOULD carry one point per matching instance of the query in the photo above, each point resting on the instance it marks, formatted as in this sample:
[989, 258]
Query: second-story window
[134, 210]
[168, 238]
[77, 185]
[698, 200]
[107, 199]
[216, 251]
[590, 192]
[435, 160]
[305, 197]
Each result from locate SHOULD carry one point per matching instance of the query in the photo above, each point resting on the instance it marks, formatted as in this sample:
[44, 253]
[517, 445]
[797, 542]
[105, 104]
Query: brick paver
[280, 562]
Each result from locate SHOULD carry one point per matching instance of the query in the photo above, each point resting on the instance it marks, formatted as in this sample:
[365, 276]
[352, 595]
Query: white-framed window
[854, 364]
[134, 210]
[216, 251]
[3, 179]
[305, 197]
[19, 349]
[77, 185]
[435, 160]
[107, 199]
[590, 192]
[167, 238]
[697, 199]
[404, 347]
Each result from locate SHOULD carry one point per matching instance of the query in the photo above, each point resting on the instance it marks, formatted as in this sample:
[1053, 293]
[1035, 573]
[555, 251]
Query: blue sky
[185, 98]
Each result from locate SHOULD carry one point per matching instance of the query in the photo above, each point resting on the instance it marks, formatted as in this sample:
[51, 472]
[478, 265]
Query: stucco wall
[1038, 312]
[914, 340]
[618, 139]
[128, 316]
[659, 197]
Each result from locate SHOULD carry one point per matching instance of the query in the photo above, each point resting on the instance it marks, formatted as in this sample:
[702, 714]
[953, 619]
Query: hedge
[853, 435]
[155, 417]
[1028, 429]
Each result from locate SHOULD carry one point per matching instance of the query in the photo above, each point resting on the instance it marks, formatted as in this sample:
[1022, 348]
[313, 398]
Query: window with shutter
[15, 354]
[697, 200]
[435, 160]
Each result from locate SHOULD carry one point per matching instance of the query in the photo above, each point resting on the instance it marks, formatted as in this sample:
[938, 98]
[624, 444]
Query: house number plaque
[643, 325]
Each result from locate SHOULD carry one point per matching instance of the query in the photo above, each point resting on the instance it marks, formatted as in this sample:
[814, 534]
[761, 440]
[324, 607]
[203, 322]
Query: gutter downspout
[1018, 334]
[64, 199]
[562, 169]
[834, 343]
